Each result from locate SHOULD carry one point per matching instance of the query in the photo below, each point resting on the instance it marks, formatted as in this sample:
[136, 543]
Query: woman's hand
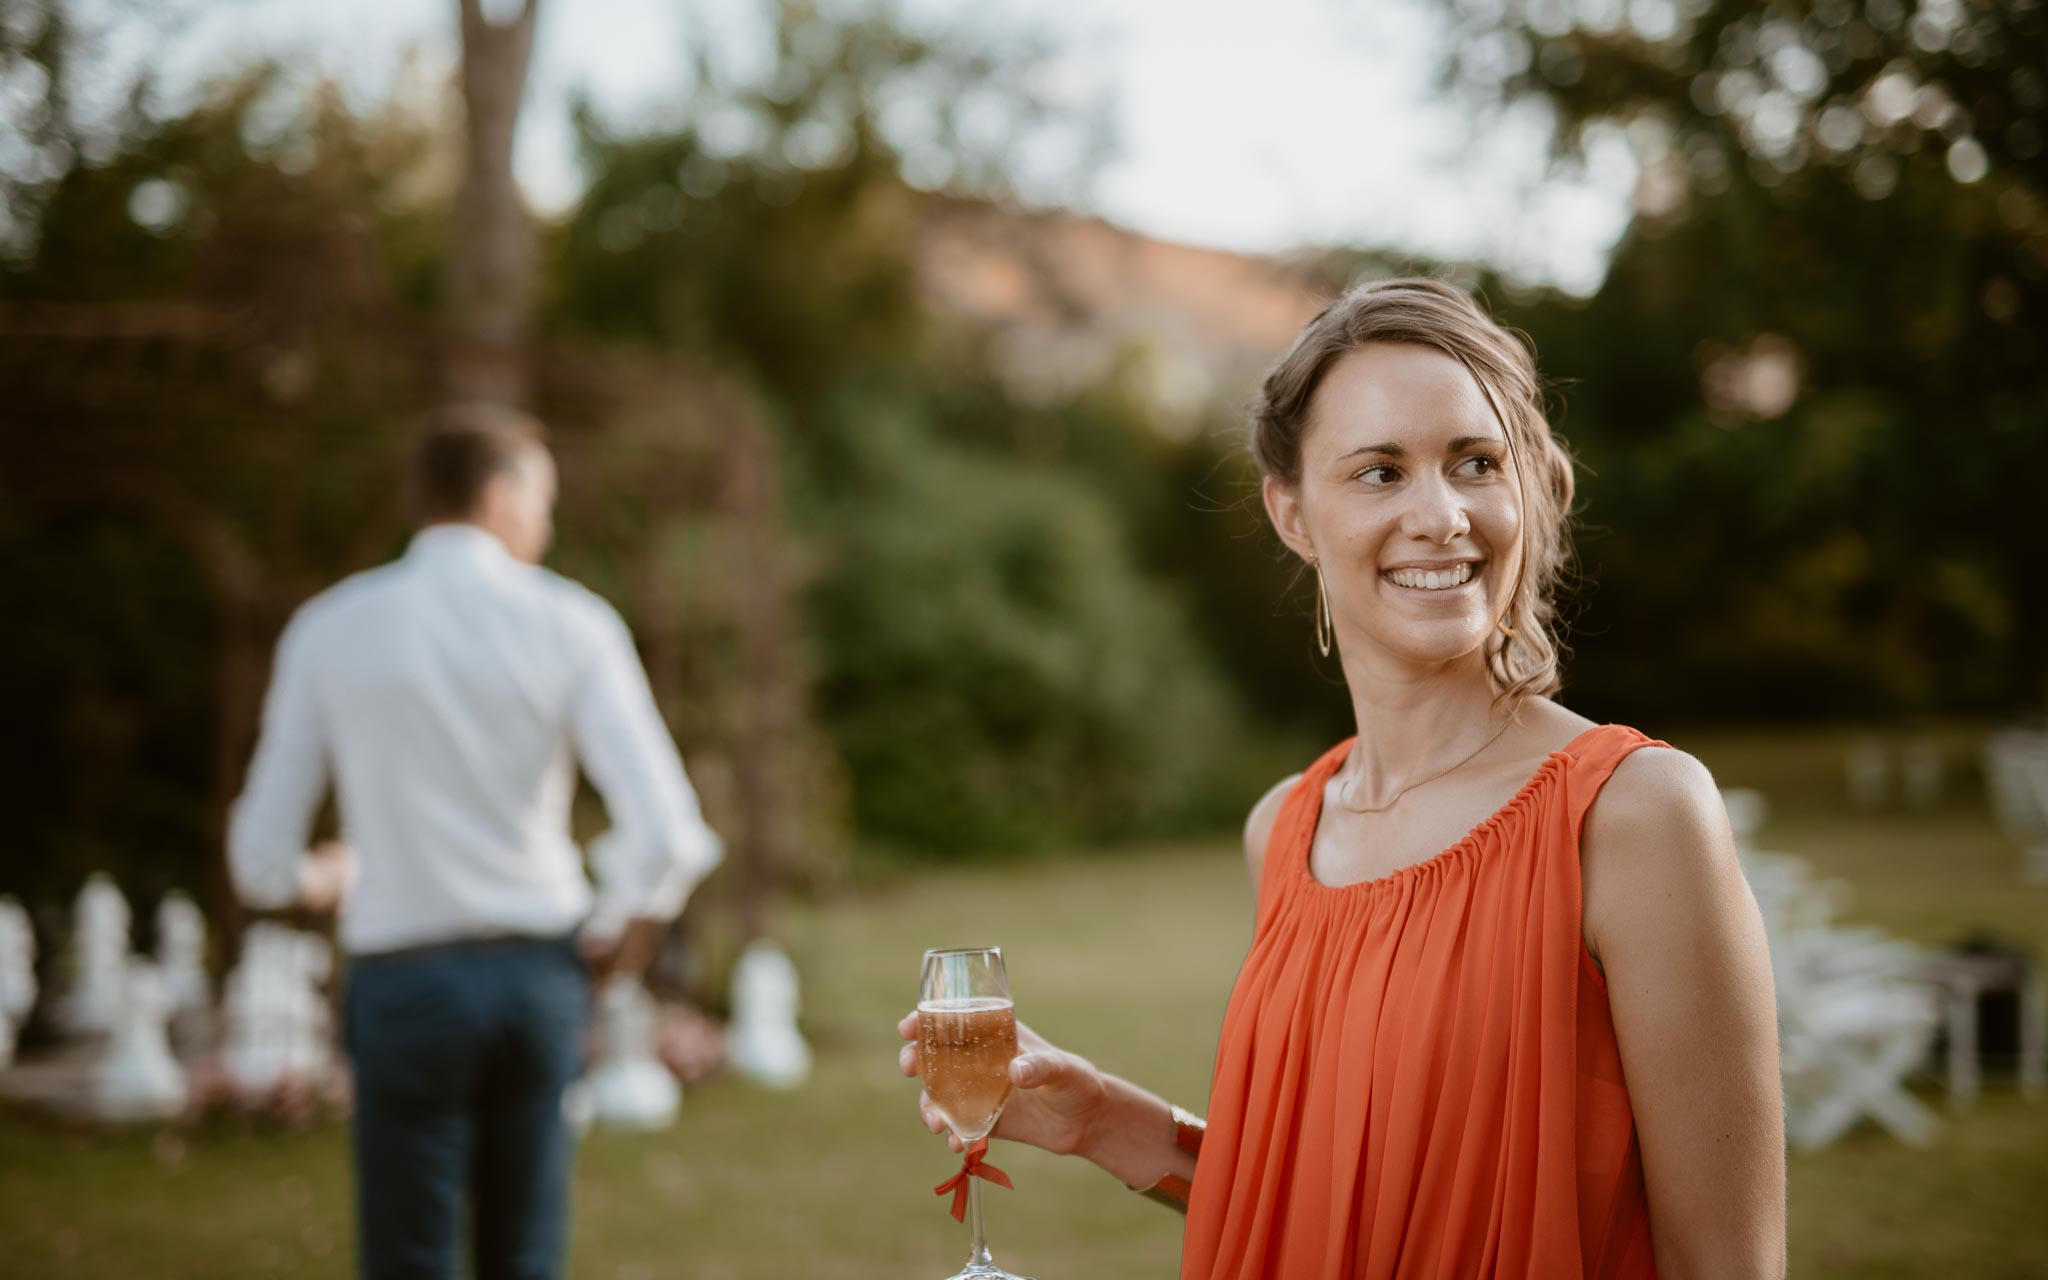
[1055, 1100]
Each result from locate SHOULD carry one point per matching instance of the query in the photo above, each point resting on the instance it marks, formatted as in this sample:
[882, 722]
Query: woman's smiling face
[1409, 500]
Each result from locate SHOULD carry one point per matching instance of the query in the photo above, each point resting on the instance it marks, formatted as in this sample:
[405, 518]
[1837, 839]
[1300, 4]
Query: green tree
[993, 663]
[1811, 384]
[998, 672]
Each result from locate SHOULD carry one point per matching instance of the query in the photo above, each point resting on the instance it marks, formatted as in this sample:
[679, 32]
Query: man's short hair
[463, 446]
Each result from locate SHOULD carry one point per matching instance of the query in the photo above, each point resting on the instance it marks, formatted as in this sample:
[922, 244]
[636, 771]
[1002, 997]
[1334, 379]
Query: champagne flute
[966, 1036]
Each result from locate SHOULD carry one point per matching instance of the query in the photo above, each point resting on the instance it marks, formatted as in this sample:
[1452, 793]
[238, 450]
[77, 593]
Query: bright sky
[1253, 127]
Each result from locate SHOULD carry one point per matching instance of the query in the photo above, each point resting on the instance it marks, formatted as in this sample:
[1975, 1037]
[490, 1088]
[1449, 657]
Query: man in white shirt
[444, 695]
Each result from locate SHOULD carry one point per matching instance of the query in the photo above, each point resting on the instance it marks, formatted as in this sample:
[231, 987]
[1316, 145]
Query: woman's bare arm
[1672, 921]
[1067, 1105]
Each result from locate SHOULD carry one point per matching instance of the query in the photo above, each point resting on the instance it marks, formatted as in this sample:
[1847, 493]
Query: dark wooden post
[767, 705]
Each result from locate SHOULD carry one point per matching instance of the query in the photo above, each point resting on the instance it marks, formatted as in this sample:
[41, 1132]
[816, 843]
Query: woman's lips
[1451, 581]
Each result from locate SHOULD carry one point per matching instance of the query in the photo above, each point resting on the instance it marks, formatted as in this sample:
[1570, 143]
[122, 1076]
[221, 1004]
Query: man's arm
[272, 821]
[658, 847]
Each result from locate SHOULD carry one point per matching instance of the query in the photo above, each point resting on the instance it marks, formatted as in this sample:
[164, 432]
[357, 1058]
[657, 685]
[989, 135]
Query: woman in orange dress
[1507, 1009]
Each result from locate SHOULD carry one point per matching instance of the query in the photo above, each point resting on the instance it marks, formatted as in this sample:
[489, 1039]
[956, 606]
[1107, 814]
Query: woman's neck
[1414, 720]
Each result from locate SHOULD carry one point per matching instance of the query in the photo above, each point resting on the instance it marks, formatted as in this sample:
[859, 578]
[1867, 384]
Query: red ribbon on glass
[971, 1167]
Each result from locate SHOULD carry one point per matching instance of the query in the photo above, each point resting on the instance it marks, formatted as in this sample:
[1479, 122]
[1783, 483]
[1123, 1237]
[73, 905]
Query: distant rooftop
[1069, 294]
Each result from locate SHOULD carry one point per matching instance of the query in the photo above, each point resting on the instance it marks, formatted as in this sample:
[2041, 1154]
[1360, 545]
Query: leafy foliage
[998, 672]
[994, 665]
[1810, 390]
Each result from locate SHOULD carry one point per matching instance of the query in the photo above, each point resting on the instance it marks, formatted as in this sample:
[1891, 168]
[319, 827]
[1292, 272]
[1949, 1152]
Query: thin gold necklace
[1460, 763]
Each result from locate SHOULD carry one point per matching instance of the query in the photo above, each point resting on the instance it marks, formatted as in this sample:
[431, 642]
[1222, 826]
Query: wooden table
[1963, 977]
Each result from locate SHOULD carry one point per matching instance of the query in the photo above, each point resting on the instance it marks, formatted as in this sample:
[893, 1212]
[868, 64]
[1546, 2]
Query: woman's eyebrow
[1392, 450]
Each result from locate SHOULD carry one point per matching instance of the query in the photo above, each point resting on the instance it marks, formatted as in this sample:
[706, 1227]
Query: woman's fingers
[906, 1057]
[935, 1122]
[906, 1062]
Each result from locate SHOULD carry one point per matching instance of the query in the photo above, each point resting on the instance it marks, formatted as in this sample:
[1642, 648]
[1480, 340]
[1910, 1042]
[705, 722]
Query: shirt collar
[456, 540]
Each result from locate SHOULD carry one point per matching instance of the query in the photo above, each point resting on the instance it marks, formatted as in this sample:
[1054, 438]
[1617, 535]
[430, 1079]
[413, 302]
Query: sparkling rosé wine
[964, 1047]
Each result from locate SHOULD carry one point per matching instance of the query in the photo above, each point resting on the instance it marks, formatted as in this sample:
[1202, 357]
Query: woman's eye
[1480, 465]
[1377, 476]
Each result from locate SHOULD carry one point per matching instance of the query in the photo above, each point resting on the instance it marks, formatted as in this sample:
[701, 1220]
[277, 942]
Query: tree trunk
[489, 280]
[767, 703]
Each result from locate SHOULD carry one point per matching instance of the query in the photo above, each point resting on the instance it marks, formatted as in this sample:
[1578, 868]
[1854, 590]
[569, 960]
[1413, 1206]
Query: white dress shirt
[443, 695]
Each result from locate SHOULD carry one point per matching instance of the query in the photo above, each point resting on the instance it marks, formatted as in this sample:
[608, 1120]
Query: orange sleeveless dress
[1418, 1075]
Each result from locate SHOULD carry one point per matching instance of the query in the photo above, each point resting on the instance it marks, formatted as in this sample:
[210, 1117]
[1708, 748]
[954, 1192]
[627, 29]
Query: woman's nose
[1437, 512]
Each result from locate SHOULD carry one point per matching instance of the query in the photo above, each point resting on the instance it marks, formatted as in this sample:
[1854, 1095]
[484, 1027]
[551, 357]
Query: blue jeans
[461, 1055]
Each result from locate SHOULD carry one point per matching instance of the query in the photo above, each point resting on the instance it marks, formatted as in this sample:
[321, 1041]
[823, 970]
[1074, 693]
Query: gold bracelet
[1174, 1191]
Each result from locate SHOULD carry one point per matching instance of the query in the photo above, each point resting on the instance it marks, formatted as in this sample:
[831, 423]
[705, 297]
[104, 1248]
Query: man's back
[445, 698]
[444, 694]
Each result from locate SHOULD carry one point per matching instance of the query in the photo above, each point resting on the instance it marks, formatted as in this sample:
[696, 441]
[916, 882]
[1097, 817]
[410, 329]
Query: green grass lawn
[1125, 957]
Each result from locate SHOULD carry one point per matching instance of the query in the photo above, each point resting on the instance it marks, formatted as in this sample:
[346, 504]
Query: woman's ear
[1283, 508]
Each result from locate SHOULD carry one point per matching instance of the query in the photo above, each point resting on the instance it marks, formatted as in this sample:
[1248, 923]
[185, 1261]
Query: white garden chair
[2016, 773]
[1852, 1022]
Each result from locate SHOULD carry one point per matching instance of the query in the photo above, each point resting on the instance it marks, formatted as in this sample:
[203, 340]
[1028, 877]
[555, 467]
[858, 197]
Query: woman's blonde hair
[1522, 655]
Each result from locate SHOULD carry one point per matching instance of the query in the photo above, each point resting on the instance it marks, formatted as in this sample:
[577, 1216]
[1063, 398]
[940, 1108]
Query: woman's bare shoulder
[1653, 789]
[1258, 828]
[1656, 833]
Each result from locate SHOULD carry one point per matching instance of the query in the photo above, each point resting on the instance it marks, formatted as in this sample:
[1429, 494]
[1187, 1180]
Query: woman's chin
[1439, 644]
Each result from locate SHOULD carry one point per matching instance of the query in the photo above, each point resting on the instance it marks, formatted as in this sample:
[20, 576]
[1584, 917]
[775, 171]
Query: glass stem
[978, 1252]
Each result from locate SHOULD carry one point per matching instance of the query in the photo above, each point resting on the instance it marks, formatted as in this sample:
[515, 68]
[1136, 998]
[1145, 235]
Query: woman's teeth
[1431, 579]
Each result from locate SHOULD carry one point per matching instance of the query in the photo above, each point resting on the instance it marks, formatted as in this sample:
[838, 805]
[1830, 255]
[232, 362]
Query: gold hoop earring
[1326, 627]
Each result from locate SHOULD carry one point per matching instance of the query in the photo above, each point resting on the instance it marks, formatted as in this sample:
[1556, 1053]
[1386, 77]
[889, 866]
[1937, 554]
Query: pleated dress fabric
[1418, 1076]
